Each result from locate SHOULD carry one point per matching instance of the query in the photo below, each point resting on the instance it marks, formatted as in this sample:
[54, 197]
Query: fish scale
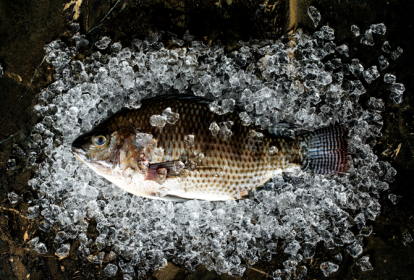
[231, 167]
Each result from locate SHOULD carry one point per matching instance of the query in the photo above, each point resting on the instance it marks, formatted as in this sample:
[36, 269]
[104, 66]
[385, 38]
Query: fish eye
[99, 140]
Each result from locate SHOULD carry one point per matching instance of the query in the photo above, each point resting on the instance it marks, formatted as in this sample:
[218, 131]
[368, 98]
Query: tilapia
[176, 148]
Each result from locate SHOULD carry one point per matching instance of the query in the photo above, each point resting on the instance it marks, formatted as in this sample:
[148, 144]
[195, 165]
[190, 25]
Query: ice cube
[338, 257]
[314, 15]
[389, 79]
[378, 28]
[354, 249]
[367, 39]
[33, 212]
[143, 139]
[245, 118]
[13, 197]
[103, 43]
[11, 164]
[355, 30]
[406, 238]
[63, 250]
[397, 88]
[225, 129]
[158, 121]
[178, 166]
[96, 259]
[40, 248]
[343, 49]
[386, 47]
[383, 62]
[328, 33]
[364, 263]
[110, 270]
[371, 74]
[394, 198]
[187, 36]
[396, 53]
[116, 47]
[170, 117]
[189, 139]
[328, 268]
[214, 128]
[272, 151]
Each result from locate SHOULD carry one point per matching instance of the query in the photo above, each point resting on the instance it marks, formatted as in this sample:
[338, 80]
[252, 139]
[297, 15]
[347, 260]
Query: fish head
[97, 150]
[116, 156]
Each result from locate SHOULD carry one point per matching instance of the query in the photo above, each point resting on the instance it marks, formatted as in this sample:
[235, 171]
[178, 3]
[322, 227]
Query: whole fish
[176, 148]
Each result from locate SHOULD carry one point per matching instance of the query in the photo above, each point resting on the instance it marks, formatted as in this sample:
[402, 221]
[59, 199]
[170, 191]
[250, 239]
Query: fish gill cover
[298, 78]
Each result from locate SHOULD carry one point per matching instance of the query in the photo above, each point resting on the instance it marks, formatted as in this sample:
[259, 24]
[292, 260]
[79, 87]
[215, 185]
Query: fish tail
[325, 150]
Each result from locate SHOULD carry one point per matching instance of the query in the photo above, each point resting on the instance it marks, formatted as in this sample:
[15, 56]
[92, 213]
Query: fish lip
[79, 153]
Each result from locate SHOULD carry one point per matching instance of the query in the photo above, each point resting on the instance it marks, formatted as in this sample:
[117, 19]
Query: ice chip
[103, 43]
[33, 212]
[397, 88]
[328, 33]
[314, 15]
[63, 250]
[389, 79]
[11, 164]
[110, 270]
[40, 248]
[371, 74]
[272, 151]
[354, 249]
[378, 28]
[245, 118]
[96, 259]
[292, 248]
[355, 30]
[367, 39]
[364, 263]
[338, 257]
[396, 53]
[343, 49]
[187, 36]
[328, 268]
[225, 129]
[143, 139]
[158, 121]
[386, 47]
[13, 197]
[214, 128]
[227, 105]
[383, 62]
[189, 139]
[394, 198]
[116, 47]
[406, 238]
[170, 117]
[178, 166]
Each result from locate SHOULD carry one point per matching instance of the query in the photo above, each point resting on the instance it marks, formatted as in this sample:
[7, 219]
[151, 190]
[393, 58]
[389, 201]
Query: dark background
[26, 26]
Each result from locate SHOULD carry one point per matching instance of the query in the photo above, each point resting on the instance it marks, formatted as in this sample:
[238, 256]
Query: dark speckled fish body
[213, 167]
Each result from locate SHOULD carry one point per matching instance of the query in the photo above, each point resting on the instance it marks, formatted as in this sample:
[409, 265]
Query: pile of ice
[294, 79]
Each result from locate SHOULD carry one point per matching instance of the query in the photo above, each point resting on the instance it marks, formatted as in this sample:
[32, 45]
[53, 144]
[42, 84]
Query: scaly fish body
[211, 167]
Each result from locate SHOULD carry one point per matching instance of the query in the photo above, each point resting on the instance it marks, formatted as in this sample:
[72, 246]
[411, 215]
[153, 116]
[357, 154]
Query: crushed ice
[294, 80]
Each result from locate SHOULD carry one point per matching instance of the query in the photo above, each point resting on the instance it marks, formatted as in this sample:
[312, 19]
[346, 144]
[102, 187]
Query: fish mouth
[79, 151]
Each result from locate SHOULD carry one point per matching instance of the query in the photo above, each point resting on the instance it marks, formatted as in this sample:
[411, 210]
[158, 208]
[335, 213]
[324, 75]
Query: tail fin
[325, 150]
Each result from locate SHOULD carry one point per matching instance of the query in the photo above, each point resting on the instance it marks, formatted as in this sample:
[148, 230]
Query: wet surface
[27, 26]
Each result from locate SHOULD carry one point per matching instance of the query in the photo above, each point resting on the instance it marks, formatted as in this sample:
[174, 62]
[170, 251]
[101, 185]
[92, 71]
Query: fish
[176, 148]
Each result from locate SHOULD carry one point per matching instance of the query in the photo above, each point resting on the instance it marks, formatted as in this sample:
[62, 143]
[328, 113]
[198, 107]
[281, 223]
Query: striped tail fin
[325, 150]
